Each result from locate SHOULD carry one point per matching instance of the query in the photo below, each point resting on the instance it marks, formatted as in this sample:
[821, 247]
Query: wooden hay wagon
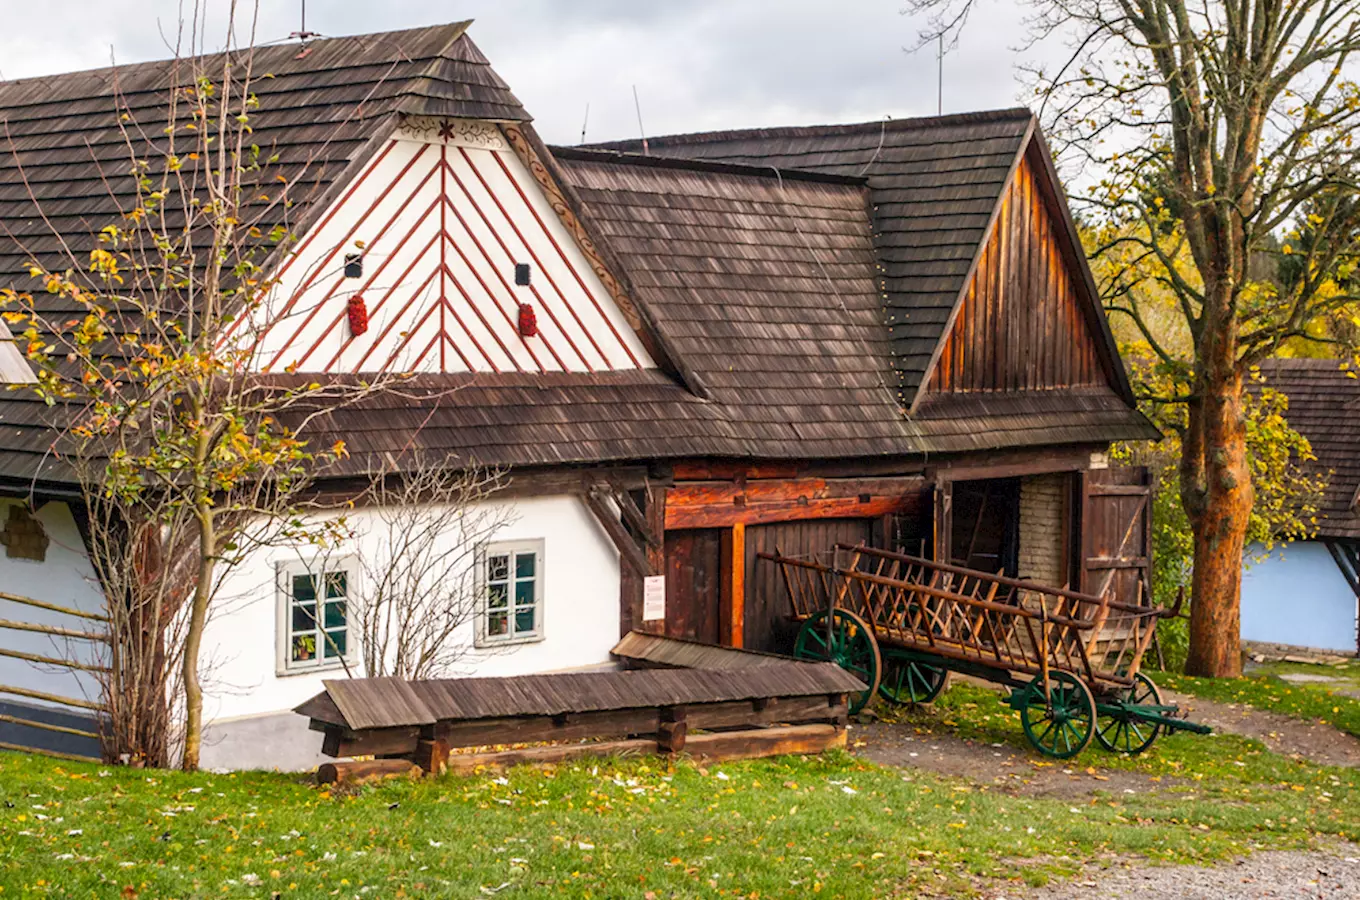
[902, 624]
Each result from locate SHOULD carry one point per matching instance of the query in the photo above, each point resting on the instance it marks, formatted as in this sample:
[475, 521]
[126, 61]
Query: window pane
[498, 567]
[304, 647]
[524, 620]
[497, 596]
[495, 624]
[304, 588]
[335, 644]
[524, 564]
[524, 593]
[304, 616]
[337, 585]
[335, 614]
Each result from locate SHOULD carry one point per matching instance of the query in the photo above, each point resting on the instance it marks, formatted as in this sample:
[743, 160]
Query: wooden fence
[84, 706]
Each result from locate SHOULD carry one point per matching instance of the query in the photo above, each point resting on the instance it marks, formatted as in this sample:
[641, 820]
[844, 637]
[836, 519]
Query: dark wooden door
[694, 580]
[1116, 539]
[767, 609]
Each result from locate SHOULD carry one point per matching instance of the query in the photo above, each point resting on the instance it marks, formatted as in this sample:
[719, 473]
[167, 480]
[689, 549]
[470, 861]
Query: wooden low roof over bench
[363, 703]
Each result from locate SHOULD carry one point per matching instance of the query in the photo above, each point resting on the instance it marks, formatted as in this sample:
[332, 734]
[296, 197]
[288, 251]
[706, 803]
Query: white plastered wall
[246, 694]
[65, 577]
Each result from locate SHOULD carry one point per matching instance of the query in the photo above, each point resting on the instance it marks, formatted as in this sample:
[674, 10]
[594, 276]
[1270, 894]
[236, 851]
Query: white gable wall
[441, 215]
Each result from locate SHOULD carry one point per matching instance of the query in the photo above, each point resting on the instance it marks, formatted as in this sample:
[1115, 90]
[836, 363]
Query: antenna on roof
[302, 33]
[585, 122]
[642, 134]
[939, 78]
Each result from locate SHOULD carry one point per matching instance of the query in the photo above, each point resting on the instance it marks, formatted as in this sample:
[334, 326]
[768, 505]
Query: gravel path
[1334, 875]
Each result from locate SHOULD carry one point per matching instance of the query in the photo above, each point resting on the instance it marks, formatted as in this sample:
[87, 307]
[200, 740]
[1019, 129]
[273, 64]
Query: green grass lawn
[790, 827]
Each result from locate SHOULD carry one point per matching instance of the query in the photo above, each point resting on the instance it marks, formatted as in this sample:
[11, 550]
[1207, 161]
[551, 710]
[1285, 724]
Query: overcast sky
[697, 64]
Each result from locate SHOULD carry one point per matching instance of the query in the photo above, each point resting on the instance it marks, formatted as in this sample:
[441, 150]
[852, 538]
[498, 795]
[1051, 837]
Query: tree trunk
[1217, 491]
[193, 641]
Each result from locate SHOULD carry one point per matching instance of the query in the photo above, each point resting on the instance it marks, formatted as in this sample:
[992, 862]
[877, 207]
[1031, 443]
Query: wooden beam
[533, 729]
[679, 517]
[432, 756]
[627, 547]
[760, 742]
[55, 754]
[374, 742]
[52, 661]
[738, 580]
[55, 630]
[48, 726]
[50, 698]
[356, 772]
[43, 604]
[467, 763]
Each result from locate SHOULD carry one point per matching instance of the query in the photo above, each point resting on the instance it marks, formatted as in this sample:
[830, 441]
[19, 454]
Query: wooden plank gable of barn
[1028, 317]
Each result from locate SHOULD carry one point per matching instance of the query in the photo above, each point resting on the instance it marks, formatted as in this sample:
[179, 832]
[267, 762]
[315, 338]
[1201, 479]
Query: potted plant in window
[304, 647]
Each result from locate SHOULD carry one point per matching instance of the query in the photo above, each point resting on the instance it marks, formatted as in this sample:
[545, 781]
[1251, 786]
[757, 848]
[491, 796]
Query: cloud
[697, 65]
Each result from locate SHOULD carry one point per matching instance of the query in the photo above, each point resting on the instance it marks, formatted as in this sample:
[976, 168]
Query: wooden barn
[745, 341]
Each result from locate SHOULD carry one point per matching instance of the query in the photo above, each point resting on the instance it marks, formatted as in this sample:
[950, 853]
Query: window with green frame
[315, 616]
[513, 573]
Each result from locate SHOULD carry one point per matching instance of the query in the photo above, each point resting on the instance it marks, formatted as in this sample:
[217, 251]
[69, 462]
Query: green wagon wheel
[909, 681]
[1062, 725]
[852, 647]
[1126, 734]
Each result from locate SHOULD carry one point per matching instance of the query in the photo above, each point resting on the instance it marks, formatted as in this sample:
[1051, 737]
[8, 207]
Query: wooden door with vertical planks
[1116, 540]
[694, 584]
[767, 605]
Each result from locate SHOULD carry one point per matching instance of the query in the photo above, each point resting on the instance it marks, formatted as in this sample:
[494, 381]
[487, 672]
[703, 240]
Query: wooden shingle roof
[67, 140]
[933, 185]
[1324, 406]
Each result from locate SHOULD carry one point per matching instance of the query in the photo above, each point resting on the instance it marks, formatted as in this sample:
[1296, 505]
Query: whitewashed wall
[65, 577]
[580, 624]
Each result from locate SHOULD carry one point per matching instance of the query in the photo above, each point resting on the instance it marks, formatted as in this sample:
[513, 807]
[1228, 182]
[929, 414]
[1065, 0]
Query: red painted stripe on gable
[391, 360]
[311, 235]
[511, 257]
[478, 313]
[368, 285]
[563, 256]
[534, 256]
[510, 320]
[448, 307]
[344, 241]
[341, 280]
[415, 295]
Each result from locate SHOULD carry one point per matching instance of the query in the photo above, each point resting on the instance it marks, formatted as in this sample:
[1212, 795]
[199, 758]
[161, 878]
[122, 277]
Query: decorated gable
[443, 255]
[1025, 321]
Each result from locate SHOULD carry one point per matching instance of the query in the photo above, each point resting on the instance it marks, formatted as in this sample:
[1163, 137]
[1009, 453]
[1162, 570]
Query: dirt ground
[1333, 874]
[1288, 737]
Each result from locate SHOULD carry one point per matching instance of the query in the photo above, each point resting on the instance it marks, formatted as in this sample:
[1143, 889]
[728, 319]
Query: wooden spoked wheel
[849, 643]
[1126, 734]
[1061, 724]
[908, 681]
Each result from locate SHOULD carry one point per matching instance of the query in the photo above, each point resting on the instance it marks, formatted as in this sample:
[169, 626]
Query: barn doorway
[694, 584]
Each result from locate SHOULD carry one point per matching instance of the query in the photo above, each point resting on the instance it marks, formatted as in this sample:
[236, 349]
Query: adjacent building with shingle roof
[1307, 593]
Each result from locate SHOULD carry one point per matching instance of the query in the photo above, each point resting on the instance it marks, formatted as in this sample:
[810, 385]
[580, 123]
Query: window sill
[487, 643]
[337, 666]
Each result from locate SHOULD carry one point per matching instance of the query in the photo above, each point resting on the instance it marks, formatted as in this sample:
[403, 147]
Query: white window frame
[497, 548]
[283, 590]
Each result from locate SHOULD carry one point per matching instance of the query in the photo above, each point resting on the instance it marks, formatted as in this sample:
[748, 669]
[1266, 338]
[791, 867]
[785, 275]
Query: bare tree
[416, 539]
[188, 458]
[1220, 138]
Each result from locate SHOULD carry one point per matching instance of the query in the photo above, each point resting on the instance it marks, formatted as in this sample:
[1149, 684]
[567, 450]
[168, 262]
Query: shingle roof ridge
[1020, 113]
[455, 29]
[598, 154]
[1287, 363]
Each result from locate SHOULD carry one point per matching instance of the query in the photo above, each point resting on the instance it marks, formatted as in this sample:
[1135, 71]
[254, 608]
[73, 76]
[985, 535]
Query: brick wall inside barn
[1043, 506]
